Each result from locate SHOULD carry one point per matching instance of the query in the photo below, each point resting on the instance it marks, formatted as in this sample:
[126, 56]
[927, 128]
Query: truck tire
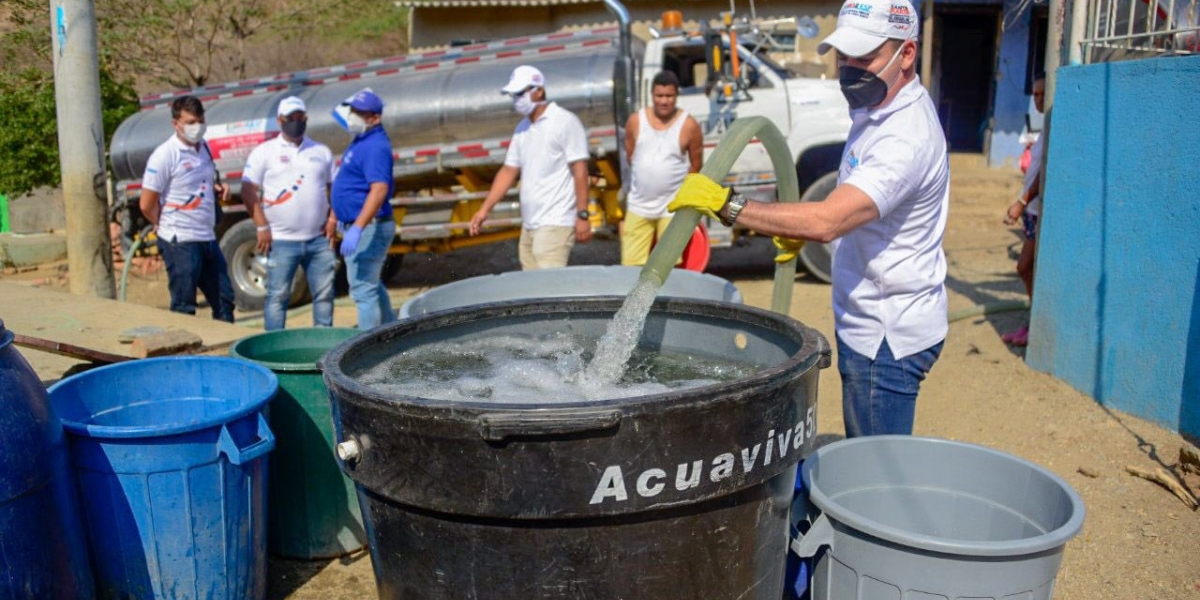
[391, 266]
[247, 274]
[818, 258]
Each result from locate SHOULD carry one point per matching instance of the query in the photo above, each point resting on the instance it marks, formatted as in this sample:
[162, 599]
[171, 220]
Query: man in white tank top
[663, 144]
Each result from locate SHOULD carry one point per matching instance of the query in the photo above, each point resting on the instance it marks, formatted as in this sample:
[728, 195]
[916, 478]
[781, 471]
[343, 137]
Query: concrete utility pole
[81, 146]
[927, 48]
[1054, 40]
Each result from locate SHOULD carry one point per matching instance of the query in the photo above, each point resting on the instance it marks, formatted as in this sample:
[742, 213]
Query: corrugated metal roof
[470, 3]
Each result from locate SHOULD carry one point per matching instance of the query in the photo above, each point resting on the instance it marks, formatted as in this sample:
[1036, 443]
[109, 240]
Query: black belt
[385, 219]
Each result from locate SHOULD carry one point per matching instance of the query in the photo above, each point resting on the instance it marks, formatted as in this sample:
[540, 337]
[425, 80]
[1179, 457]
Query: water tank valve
[349, 451]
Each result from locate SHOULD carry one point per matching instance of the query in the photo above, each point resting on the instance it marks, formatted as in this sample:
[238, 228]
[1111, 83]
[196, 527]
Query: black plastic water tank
[675, 495]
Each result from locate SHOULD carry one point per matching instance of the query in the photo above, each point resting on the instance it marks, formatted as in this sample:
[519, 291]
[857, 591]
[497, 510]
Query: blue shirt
[368, 160]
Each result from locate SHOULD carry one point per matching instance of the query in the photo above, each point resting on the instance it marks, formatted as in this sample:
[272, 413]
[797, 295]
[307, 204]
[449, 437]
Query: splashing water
[615, 348]
[528, 369]
[525, 369]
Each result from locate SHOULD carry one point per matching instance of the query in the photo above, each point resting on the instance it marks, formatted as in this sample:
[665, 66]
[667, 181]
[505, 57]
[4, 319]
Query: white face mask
[355, 124]
[194, 133]
[524, 105]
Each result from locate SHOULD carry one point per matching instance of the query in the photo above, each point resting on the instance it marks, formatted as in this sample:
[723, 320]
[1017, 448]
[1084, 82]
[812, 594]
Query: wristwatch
[736, 203]
[584, 214]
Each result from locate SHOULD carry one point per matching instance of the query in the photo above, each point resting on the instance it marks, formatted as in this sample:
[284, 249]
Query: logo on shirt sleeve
[852, 159]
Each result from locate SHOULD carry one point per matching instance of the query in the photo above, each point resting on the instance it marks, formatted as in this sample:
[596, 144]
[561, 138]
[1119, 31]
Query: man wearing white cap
[886, 219]
[285, 189]
[549, 153]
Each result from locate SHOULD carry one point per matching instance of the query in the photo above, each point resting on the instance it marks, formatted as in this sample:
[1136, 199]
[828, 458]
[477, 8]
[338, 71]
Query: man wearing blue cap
[361, 212]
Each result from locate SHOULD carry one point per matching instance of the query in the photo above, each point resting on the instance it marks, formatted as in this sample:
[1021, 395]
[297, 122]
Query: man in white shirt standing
[886, 219]
[178, 198]
[549, 153]
[285, 187]
[664, 144]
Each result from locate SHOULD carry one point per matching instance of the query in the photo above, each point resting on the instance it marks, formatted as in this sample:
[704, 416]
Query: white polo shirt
[889, 274]
[544, 151]
[182, 175]
[292, 181]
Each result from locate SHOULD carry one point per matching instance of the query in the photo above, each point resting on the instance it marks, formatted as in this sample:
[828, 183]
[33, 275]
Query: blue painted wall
[1010, 104]
[1116, 308]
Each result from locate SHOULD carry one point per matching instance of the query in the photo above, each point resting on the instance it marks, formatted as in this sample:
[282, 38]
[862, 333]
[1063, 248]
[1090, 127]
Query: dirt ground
[1138, 541]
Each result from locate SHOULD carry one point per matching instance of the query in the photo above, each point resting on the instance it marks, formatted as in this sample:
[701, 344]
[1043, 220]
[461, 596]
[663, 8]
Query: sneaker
[1022, 338]
[1020, 334]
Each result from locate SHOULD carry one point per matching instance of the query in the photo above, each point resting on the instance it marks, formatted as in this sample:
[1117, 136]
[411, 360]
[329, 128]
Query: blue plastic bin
[170, 457]
[42, 550]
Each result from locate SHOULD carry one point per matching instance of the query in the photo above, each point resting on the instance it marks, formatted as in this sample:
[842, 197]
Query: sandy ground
[1138, 542]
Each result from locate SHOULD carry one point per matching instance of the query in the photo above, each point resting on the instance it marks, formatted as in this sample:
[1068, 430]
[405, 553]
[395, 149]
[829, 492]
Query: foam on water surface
[528, 369]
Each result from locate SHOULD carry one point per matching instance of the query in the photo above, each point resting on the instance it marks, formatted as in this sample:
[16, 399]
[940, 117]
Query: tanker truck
[450, 129]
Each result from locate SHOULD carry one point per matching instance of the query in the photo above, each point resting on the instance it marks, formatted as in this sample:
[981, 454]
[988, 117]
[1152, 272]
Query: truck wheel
[818, 258]
[249, 275]
[391, 267]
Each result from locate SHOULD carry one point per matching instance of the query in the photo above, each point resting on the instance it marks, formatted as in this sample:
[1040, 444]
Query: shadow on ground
[288, 575]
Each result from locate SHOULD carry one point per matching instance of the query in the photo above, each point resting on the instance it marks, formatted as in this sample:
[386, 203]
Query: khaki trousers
[546, 247]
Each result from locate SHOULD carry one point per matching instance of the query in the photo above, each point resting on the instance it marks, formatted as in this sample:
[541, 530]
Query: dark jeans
[192, 265]
[879, 397]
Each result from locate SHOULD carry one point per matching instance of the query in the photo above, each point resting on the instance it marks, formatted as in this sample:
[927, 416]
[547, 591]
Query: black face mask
[294, 129]
[862, 88]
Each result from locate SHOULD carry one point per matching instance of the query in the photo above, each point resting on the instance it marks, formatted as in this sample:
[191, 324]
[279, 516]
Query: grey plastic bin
[565, 282]
[910, 518]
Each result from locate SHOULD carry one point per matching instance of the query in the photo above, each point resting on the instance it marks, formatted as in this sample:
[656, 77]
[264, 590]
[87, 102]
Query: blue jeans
[364, 269]
[879, 397]
[320, 264]
[192, 265]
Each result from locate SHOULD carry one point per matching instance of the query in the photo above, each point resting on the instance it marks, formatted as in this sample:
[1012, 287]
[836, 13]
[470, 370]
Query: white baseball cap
[290, 105]
[864, 25]
[523, 77]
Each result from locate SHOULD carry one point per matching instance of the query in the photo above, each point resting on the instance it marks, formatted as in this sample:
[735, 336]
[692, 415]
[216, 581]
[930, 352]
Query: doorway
[966, 63]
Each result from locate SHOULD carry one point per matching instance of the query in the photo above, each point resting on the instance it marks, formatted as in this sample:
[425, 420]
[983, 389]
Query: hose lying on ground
[990, 308]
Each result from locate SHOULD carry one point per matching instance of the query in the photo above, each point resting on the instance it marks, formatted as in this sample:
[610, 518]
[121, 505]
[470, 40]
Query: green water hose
[133, 248]
[668, 249]
[990, 308]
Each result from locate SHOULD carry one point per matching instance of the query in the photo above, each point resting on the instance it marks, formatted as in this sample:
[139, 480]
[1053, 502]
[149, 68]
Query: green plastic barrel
[312, 509]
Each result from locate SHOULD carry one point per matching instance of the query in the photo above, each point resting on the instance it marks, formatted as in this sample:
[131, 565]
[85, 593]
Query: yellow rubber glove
[701, 193]
[789, 248]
